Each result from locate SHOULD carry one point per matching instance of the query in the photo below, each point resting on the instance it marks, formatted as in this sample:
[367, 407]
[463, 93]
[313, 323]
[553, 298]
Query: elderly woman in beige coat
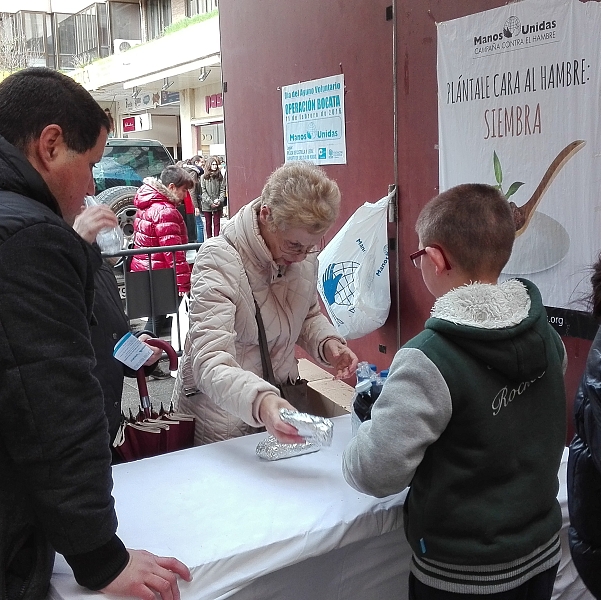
[266, 253]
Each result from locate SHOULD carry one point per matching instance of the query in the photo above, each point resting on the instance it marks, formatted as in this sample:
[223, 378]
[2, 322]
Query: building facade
[155, 64]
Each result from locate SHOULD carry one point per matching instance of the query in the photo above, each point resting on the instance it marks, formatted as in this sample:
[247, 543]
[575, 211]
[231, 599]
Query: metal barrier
[152, 292]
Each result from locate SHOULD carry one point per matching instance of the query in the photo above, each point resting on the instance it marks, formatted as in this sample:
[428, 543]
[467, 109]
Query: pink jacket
[159, 223]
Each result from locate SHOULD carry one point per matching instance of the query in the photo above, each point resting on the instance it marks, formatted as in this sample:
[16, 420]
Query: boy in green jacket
[472, 415]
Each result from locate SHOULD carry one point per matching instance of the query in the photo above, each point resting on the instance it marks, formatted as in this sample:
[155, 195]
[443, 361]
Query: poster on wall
[520, 108]
[313, 118]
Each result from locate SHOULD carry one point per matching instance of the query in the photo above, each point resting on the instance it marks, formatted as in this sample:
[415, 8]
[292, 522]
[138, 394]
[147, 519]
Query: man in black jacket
[55, 491]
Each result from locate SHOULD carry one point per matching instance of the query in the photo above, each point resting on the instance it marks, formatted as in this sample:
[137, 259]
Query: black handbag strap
[265, 358]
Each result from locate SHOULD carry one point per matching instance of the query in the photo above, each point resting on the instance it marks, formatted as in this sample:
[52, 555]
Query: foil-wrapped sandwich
[317, 432]
[271, 449]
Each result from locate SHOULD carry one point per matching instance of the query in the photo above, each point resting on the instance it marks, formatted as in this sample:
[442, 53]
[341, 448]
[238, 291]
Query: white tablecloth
[235, 519]
[256, 530]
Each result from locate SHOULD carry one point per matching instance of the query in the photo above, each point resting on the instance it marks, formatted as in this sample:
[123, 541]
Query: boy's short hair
[34, 98]
[178, 176]
[473, 223]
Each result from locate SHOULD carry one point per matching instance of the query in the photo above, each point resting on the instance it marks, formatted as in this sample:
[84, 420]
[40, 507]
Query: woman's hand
[197, 212]
[92, 219]
[341, 357]
[147, 576]
[269, 415]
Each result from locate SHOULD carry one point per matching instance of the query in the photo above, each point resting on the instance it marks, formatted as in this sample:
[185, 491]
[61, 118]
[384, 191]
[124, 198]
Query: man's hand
[147, 577]
[92, 219]
[341, 357]
[269, 414]
[156, 352]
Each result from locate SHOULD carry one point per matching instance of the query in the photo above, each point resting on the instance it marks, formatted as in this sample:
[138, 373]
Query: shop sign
[169, 97]
[213, 101]
[142, 122]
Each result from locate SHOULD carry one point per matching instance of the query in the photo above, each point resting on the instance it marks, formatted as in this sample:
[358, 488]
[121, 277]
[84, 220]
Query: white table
[256, 530]
[251, 529]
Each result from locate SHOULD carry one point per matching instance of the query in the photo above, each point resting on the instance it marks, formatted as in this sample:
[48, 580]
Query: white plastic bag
[353, 278]
[179, 337]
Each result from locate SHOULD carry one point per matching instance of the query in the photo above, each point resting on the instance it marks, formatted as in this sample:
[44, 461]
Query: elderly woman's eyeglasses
[296, 249]
[416, 257]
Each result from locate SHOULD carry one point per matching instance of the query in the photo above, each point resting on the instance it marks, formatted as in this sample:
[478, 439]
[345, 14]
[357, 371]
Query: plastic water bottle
[363, 371]
[109, 239]
[361, 405]
[376, 386]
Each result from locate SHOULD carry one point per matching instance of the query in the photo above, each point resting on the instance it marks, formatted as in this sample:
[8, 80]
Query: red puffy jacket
[159, 223]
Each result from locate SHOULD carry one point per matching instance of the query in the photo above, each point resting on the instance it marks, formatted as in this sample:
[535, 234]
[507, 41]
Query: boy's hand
[341, 357]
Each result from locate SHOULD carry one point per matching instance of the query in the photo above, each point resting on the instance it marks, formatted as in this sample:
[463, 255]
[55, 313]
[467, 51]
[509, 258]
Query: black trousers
[539, 587]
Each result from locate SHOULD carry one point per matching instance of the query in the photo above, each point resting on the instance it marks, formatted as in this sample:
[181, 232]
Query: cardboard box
[328, 397]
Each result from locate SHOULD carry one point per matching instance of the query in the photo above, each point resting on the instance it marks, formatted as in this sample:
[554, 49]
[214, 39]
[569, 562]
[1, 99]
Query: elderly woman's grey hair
[301, 195]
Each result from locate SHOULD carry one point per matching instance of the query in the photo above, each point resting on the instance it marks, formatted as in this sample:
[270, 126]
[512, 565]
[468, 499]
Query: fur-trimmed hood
[152, 190]
[485, 305]
[498, 324]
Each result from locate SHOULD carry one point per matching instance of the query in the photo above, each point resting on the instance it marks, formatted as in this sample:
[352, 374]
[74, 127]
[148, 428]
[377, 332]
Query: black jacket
[584, 474]
[109, 326]
[55, 476]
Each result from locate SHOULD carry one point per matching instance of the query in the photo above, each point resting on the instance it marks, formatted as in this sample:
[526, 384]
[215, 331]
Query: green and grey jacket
[472, 417]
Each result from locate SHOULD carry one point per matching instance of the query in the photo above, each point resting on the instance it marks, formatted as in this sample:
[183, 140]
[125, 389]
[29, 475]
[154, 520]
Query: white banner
[313, 118]
[519, 107]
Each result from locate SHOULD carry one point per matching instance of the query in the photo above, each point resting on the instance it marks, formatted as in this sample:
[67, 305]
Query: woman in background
[197, 163]
[111, 121]
[212, 186]
[584, 463]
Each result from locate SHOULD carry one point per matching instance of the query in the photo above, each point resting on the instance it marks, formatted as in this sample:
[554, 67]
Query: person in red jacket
[158, 222]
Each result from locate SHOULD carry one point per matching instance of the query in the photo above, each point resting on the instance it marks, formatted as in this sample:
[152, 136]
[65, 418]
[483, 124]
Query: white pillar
[186, 113]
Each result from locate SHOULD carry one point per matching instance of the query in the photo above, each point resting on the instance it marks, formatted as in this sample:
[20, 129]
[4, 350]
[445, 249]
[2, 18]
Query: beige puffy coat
[220, 370]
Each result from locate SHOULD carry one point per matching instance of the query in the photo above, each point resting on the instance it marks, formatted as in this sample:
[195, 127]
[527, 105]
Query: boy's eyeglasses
[416, 257]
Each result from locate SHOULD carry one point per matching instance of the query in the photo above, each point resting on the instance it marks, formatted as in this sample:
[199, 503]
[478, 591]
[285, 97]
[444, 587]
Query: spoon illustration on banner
[523, 214]
[541, 241]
